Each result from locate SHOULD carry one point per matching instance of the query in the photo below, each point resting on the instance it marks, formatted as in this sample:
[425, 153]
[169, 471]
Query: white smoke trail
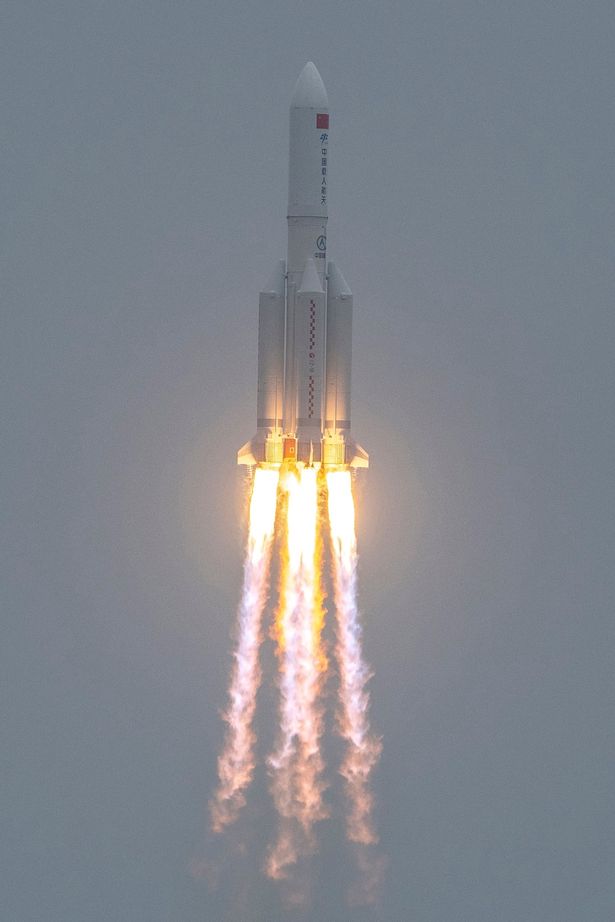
[236, 762]
[362, 747]
[297, 764]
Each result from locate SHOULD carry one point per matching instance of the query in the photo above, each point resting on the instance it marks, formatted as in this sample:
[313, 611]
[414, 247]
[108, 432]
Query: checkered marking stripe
[311, 382]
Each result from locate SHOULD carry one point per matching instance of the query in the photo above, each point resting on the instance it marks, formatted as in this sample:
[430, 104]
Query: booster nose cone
[338, 286]
[310, 280]
[310, 91]
[275, 283]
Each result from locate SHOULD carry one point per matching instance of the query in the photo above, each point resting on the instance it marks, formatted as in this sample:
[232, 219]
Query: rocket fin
[356, 456]
[247, 453]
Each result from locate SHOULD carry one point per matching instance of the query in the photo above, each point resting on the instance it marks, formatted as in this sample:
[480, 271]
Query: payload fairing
[305, 314]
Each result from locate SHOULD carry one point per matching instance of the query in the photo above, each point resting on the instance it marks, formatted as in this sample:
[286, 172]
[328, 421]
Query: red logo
[322, 120]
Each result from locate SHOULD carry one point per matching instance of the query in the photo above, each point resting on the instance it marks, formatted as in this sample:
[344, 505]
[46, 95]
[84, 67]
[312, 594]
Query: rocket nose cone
[310, 91]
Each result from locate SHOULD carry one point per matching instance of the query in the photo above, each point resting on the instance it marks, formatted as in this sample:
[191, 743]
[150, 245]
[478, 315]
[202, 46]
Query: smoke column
[296, 764]
[236, 762]
[362, 748]
[304, 496]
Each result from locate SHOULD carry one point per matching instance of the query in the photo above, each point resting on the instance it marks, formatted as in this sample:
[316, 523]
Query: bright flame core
[301, 521]
[262, 513]
[341, 517]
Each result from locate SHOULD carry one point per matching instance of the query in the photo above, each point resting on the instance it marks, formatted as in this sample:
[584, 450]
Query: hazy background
[144, 174]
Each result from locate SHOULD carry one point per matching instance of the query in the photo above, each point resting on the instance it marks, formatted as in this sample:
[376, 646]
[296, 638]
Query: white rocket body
[305, 314]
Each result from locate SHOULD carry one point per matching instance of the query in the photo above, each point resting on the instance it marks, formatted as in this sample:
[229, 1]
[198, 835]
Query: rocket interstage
[305, 315]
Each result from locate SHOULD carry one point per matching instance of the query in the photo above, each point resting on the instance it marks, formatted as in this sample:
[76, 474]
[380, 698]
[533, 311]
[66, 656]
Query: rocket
[305, 314]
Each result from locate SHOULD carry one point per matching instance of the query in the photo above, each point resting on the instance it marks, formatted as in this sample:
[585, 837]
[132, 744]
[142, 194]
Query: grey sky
[472, 213]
